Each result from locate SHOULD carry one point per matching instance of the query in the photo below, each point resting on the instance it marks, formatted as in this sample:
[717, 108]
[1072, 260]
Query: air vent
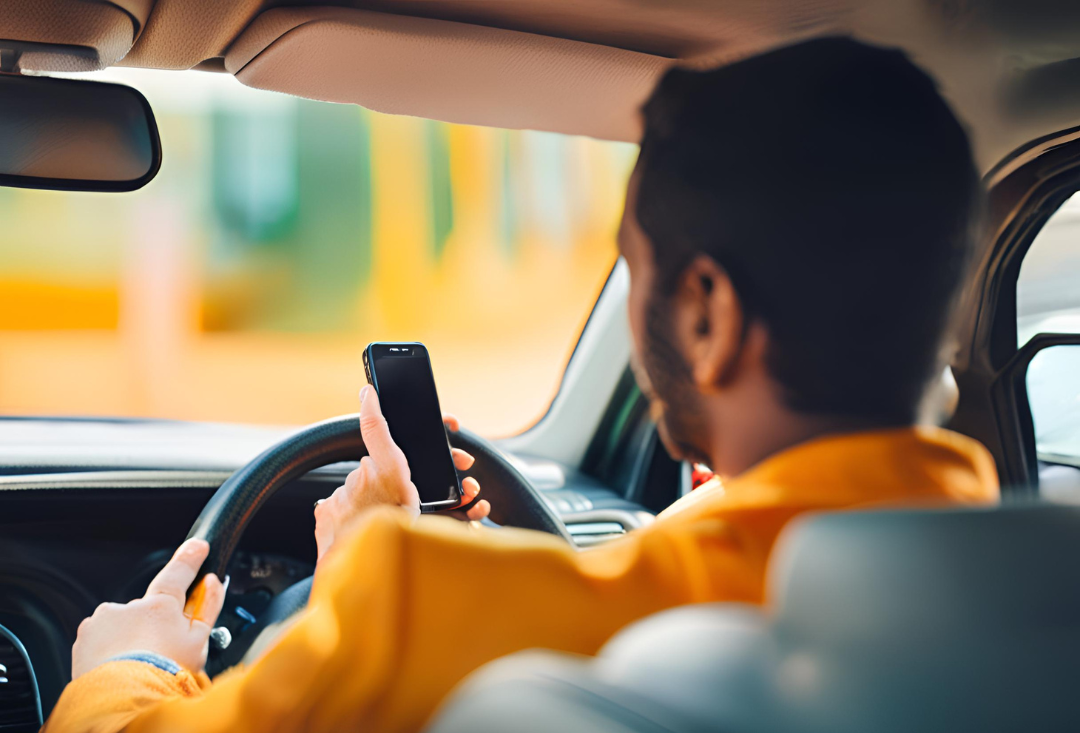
[594, 533]
[20, 706]
[598, 526]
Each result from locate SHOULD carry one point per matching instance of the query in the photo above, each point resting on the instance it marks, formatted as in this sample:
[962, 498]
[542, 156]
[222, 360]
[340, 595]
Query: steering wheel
[514, 501]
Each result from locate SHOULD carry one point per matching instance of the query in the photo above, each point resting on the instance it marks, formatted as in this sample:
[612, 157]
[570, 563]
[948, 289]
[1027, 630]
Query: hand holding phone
[383, 478]
[401, 374]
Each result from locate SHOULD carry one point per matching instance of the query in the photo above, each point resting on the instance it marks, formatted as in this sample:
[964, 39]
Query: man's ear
[713, 323]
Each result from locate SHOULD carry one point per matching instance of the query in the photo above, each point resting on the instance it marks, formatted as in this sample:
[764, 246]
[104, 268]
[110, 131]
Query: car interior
[950, 620]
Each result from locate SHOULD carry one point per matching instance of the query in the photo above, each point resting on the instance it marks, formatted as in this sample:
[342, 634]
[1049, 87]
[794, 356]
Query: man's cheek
[636, 307]
[670, 444]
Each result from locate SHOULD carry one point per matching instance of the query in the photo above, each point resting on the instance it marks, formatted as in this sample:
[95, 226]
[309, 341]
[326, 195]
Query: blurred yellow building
[283, 235]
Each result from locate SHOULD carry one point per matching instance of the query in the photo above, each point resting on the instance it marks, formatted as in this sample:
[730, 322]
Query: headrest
[931, 621]
[951, 573]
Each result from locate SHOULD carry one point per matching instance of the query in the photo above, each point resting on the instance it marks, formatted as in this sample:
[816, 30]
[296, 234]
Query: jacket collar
[901, 465]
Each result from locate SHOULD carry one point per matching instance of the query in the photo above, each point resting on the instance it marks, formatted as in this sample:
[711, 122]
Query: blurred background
[280, 237]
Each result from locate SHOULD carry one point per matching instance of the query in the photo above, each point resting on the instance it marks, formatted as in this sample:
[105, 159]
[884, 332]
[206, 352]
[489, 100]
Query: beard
[667, 382]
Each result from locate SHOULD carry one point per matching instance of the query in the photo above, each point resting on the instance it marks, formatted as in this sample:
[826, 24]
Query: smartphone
[401, 375]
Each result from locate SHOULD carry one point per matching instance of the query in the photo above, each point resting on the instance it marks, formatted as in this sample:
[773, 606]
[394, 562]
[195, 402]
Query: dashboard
[70, 544]
[94, 516]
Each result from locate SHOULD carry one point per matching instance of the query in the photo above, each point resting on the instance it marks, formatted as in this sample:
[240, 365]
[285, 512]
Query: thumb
[180, 571]
[373, 427]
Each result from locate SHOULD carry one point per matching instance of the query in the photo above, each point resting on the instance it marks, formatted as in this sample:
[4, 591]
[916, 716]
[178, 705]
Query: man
[795, 230]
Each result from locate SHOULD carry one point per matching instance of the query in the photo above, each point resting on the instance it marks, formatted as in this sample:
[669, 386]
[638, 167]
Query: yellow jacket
[401, 610]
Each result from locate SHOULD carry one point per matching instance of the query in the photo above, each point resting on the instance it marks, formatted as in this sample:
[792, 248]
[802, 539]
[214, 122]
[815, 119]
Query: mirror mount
[9, 61]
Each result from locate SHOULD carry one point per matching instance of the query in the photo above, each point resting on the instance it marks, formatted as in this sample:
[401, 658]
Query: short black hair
[837, 189]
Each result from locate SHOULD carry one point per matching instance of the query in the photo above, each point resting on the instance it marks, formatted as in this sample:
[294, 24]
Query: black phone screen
[406, 386]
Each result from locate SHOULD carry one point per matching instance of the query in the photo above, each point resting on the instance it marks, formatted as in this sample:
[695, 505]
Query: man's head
[796, 228]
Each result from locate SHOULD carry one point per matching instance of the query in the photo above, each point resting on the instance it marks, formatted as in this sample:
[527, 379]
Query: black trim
[622, 414]
[1016, 424]
[63, 184]
[626, 454]
[1028, 147]
[1019, 205]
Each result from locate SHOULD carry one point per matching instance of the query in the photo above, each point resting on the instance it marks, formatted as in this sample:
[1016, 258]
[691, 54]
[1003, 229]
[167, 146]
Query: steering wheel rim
[514, 501]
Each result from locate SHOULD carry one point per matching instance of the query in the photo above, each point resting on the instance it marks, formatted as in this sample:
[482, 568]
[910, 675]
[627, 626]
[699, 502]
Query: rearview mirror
[75, 135]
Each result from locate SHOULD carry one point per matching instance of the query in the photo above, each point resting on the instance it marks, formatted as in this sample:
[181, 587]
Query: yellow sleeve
[402, 611]
[111, 696]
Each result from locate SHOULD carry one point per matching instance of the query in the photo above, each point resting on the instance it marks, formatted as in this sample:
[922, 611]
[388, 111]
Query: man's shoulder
[708, 495]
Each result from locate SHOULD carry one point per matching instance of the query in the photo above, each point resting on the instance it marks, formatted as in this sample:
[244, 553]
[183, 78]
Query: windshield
[281, 236]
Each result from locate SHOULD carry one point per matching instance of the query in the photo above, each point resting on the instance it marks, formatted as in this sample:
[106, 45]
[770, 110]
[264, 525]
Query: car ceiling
[1011, 68]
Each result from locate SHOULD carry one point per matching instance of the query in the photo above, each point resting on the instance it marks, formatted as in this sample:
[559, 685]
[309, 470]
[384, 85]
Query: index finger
[373, 427]
[178, 574]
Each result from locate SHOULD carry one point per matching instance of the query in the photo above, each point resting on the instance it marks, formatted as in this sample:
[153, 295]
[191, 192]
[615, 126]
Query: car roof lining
[456, 72]
[1007, 66]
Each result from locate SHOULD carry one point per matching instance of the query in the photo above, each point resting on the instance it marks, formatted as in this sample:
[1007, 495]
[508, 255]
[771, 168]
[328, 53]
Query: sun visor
[443, 70]
[70, 35]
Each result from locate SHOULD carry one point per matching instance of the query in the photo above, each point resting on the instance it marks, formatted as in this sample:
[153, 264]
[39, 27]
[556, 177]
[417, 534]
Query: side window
[1048, 301]
[1048, 290]
[1053, 383]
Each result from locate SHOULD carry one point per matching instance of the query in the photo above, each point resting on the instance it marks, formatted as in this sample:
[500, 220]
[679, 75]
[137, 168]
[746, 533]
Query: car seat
[931, 620]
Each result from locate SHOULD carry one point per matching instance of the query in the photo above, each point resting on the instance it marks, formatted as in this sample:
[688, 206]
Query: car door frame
[1023, 191]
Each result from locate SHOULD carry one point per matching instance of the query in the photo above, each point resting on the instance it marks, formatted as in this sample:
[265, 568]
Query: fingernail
[363, 392]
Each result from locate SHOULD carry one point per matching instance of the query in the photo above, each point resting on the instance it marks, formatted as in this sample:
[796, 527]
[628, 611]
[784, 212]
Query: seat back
[948, 620]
